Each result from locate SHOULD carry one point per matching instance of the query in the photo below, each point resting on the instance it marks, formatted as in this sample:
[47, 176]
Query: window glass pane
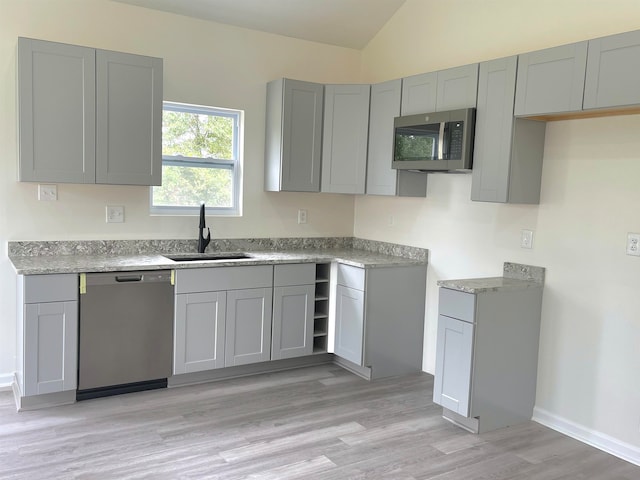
[190, 186]
[197, 135]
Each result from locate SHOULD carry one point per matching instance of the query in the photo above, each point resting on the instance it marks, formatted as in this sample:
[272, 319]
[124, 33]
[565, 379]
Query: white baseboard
[599, 440]
[5, 381]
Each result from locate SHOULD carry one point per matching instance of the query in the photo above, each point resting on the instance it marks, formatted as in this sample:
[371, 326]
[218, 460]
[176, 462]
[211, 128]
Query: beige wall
[589, 356]
[204, 63]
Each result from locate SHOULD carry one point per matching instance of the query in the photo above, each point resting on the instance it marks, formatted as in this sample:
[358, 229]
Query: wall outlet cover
[302, 216]
[633, 244]
[115, 214]
[47, 193]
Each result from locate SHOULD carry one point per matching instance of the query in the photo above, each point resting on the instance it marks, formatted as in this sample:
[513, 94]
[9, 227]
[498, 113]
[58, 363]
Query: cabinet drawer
[50, 288]
[352, 277]
[455, 304]
[294, 274]
[223, 278]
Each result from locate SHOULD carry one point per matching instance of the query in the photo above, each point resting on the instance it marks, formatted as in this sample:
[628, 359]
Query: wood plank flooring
[313, 423]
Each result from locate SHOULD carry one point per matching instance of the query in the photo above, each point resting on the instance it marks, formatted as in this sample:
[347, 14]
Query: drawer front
[352, 277]
[50, 288]
[223, 278]
[455, 304]
[294, 274]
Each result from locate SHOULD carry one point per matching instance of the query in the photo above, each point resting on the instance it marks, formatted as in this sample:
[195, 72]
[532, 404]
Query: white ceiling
[346, 23]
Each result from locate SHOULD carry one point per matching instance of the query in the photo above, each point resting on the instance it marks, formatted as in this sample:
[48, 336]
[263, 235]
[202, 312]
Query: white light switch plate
[115, 214]
[526, 239]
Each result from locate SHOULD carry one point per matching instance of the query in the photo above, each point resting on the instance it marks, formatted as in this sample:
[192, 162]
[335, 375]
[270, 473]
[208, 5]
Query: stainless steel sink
[206, 257]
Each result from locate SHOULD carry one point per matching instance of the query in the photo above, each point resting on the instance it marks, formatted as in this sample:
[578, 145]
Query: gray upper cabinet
[507, 161]
[613, 71]
[88, 116]
[551, 80]
[56, 109]
[344, 143]
[293, 140]
[129, 119]
[457, 88]
[419, 93]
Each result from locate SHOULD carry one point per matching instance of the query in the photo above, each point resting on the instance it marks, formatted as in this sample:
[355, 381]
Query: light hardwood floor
[313, 423]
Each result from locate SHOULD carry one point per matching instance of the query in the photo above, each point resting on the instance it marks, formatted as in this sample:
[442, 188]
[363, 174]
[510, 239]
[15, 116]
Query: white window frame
[235, 164]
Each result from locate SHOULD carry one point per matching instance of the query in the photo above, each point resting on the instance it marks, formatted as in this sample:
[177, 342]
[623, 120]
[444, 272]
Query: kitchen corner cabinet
[551, 80]
[294, 288]
[379, 318]
[87, 115]
[381, 178]
[344, 142]
[487, 357]
[507, 158]
[293, 140]
[47, 332]
[222, 317]
[613, 71]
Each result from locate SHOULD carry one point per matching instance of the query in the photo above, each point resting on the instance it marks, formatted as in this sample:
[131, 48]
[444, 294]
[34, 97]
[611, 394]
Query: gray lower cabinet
[199, 335]
[613, 71]
[87, 115]
[379, 319]
[293, 139]
[507, 157]
[487, 356]
[47, 332]
[551, 80]
[222, 317]
[344, 139]
[294, 290]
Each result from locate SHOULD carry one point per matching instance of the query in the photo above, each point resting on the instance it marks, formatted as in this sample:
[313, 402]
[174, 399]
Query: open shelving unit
[321, 310]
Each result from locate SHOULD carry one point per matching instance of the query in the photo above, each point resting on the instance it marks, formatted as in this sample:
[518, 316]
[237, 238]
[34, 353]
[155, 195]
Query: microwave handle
[441, 142]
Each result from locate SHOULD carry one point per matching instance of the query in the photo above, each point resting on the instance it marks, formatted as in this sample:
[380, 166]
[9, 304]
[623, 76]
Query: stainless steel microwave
[441, 141]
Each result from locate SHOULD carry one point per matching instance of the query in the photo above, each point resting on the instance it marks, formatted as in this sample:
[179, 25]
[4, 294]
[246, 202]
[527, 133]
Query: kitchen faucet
[203, 242]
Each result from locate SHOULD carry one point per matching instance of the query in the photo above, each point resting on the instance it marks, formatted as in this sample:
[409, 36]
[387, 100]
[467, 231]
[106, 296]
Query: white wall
[589, 355]
[204, 63]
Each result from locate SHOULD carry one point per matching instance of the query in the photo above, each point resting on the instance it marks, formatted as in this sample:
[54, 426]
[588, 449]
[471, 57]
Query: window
[200, 161]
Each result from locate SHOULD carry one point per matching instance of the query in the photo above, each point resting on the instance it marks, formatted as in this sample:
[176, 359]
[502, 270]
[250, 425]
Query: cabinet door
[419, 93]
[344, 143]
[494, 129]
[129, 119]
[385, 106]
[56, 108]
[199, 334]
[613, 71]
[50, 347]
[457, 88]
[349, 333]
[248, 335]
[454, 353]
[292, 333]
[551, 80]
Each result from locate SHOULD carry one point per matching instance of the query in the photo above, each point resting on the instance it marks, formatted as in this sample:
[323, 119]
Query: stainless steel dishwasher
[126, 332]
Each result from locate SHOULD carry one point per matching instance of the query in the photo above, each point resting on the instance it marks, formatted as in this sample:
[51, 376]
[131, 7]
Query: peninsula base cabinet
[487, 357]
[47, 332]
[379, 319]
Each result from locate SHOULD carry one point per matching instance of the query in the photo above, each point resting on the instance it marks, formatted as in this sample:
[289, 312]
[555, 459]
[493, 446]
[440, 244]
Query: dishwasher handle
[128, 278]
[133, 277]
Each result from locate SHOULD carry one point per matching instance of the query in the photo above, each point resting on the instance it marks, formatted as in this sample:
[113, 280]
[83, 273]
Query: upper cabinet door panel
[385, 106]
[56, 98]
[129, 121]
[344, 143]
[551, 80]
[613, 71]
[419, 93]
[457, 88]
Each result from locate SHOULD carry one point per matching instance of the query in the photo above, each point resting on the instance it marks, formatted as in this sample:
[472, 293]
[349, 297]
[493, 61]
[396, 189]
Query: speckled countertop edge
[515, 277]
[368, 254]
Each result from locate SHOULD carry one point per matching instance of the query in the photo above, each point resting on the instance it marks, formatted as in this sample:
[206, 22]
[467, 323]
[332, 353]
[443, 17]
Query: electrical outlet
[115, 214]
[302, 216]
[526, 239]
[633, 244]
[47, 193]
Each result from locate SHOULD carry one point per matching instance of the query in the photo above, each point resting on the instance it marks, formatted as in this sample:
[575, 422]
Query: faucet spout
[202, 241]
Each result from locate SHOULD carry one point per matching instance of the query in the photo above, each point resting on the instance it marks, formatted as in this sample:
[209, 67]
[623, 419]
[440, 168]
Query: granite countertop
[515, 277]
[86, 263]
